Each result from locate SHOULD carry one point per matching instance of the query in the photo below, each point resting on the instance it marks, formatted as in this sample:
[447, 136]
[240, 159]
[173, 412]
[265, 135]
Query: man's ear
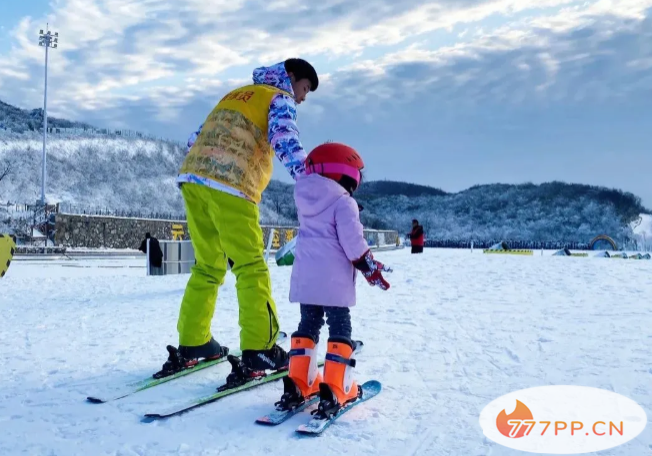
[292, 78]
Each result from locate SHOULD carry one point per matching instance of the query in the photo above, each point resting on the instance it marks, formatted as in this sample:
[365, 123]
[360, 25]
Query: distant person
[227, 167]
[155, 253]
[416, 237]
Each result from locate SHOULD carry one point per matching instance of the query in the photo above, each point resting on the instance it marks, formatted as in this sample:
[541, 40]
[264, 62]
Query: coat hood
[275, 76]
[314, 194]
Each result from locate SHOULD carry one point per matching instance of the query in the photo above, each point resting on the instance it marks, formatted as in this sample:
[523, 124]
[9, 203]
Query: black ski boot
[210, 350]
[273, 359]
[186, 357]
[240, 374]
[253, 365]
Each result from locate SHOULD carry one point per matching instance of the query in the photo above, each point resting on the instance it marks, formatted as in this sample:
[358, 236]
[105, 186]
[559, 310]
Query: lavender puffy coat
[330, 238]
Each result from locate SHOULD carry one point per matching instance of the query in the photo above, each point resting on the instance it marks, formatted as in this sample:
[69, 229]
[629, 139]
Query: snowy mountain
[136, 176]
[642, 228]
[549, 211]
[91, 171]
[21, 120]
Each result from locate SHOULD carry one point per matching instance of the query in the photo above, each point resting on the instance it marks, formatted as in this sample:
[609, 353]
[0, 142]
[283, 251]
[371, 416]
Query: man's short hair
[302, 69]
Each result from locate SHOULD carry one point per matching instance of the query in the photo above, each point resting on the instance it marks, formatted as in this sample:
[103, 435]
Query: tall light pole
[48, 41]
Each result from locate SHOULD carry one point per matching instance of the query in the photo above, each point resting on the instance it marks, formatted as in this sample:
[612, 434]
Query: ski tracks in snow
[455, 331]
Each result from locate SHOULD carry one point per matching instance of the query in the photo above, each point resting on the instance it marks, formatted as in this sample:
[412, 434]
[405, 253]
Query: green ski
[257, 381]
[151, 382]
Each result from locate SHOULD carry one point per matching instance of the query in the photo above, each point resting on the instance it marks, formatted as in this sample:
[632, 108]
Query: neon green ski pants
[220, 226]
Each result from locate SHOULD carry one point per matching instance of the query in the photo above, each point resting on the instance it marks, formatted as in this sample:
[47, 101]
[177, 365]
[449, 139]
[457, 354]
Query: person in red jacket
[416, 237]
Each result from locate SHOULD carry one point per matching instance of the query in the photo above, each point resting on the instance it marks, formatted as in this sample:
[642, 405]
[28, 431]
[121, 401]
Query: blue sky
[13, 12]
[446, 93]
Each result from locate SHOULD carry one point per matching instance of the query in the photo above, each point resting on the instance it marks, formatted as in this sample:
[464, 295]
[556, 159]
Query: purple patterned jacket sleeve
[193, 138]
[283, 134]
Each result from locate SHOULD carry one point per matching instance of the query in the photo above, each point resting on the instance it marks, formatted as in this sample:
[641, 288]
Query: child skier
[330, 248]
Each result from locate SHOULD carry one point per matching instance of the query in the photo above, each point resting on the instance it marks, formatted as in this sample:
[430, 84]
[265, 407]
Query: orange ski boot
[338, 387]
[304, 377]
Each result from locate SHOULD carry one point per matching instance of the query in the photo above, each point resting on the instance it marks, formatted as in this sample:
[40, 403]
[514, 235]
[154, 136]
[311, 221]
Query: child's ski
[317, 425]
[280, 416]
[151, 382]
[222, 392]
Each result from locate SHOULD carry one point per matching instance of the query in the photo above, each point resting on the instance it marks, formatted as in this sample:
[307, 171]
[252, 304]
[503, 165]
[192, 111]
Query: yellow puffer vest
[233, 148]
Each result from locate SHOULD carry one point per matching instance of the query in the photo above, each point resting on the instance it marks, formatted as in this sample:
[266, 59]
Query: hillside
[21, 120]
[95, 173]
[91, 172]
[136, 177]
[99, 172]
[376, 189]
[643, 228]
[549, 211]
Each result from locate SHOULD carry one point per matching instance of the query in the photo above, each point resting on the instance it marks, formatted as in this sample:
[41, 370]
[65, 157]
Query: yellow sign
[276, 241]
[177, 232]
[289, 234]
[509, 252]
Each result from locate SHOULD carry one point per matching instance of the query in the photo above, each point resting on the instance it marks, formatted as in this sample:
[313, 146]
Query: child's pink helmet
[334, 160]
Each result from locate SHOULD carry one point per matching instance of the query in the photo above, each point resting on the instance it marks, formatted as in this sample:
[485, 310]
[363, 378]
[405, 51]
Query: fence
[281, 235]
[72, 209]
[382, 239]
[103, 227]
[30, 223]
[179, 256]
[625, 244]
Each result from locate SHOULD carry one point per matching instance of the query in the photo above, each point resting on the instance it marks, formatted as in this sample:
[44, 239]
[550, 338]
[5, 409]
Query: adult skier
[227, 168]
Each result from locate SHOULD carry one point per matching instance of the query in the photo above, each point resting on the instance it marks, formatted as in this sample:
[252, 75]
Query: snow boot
[304, 378]
[338, 387]
[186, 357]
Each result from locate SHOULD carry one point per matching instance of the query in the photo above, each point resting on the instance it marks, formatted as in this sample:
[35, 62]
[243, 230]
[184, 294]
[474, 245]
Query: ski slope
[455, 331]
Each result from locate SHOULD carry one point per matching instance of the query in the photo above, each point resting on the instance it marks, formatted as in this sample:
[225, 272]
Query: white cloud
[169, 54]
[536, 59]
[640, 64]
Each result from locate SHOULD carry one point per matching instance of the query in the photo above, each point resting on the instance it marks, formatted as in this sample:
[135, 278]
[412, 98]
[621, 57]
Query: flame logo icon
[521, 412]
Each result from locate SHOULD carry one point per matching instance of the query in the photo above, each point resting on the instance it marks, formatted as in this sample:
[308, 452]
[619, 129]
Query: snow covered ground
[455, 331]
